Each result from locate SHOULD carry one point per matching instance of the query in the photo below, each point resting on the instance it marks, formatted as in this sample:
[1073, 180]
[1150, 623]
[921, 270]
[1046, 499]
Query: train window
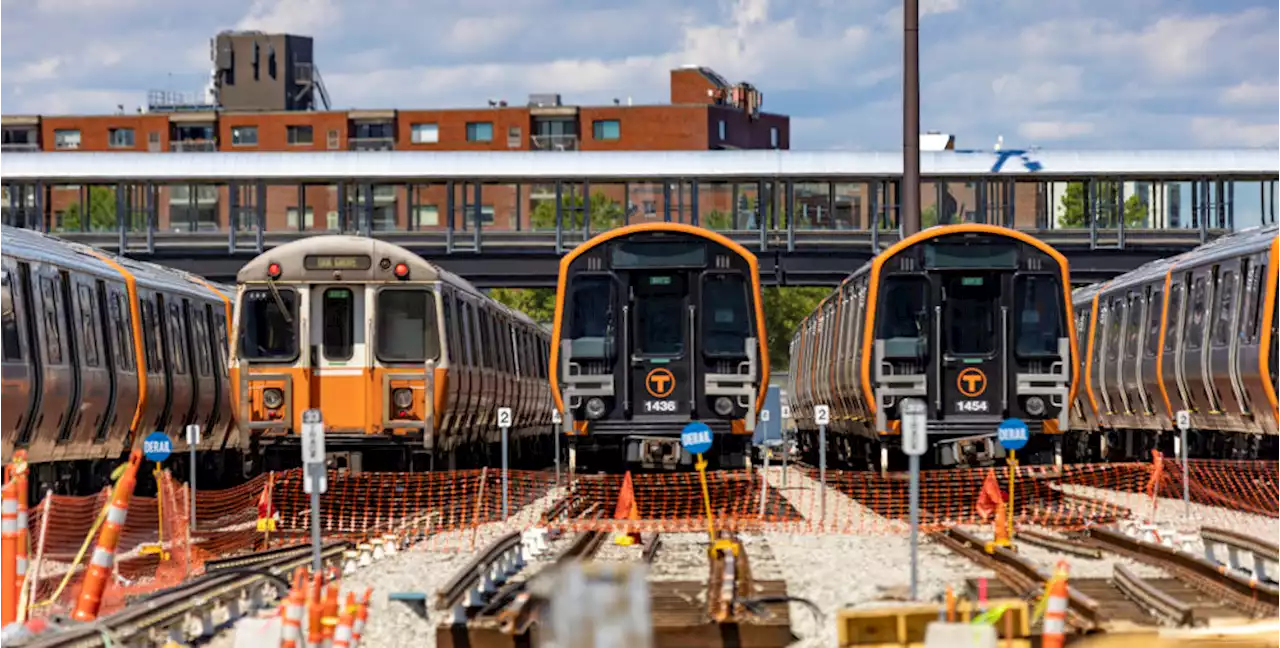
[52, 323]
[266, 331]
[468, 333]
[661, 314]
[84, 300]
[12, 343]
[200, 340]
[1039, 321]
[177, 350]
[406, 326]
[1133, 327]
[451, 328]
[338, 310]
[220, 326]
[1196, 315]
[1257, 297]
[121, 333]
[1174, 328]
[1226, 309]
[726, 315]
[1155, 306]
[591, 313]
[150, 346]
[904, 315]
[972, 303]
[1115, 328]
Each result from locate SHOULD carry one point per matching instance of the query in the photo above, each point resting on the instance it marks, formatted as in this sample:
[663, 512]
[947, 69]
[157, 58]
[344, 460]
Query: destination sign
[337, 262]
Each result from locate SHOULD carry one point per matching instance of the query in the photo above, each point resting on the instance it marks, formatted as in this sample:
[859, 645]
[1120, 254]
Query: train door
[975, 341]
[339, 376]
[662, 326]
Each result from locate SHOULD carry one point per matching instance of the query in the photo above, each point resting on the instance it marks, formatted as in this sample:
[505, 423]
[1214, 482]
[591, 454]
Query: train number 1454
[660, 406]
[971, 406]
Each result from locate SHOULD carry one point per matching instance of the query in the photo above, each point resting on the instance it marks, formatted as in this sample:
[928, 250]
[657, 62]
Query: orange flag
[1157, 473]
[266, 513]
[990, 499]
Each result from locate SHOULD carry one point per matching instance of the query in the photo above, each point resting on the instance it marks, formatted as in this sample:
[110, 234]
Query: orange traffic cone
[627, 510]
[1054, 628]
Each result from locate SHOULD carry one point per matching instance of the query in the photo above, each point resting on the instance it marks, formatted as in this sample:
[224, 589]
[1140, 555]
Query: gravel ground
[864, 564]
[422, 568]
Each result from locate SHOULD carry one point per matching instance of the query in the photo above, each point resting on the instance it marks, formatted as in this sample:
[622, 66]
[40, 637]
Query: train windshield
[904, 316]
[726, 318]
[591, 316]
[972, 311]
[406, 326]
[660, 314]
[1038, 321]
[266, 332]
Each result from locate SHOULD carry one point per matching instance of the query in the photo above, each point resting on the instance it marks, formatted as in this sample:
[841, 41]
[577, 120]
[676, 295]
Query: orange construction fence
[373, 504]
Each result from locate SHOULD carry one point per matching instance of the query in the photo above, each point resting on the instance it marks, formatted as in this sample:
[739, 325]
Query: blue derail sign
[696, 437]
[157, 446]
[1013, 434]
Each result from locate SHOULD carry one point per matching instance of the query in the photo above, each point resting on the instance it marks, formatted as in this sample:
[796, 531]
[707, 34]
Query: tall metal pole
[910, 188]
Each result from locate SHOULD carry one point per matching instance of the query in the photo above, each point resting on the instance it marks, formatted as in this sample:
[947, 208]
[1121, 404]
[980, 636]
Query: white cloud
[1144, 73]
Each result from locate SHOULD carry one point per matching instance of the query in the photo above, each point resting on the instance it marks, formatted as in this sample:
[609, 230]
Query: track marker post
[915, 442]
[157, 447]
[193, 439]
[1013, 435]
[1183, 419]
[315, 479]
[556, 421]
[786, 443]
[504, 422]
[822, 416]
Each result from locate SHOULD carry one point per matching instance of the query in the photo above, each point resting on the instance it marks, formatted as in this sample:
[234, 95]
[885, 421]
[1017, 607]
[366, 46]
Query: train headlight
[1035, 406]
[724, 406]
[595, 408]
[403, 398]
[273, 398]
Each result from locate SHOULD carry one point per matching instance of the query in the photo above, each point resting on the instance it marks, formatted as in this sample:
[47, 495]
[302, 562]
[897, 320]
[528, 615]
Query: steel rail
[161, 616]
[469, 576]
[1060, 545]
[1243, 593]
[1150, 598]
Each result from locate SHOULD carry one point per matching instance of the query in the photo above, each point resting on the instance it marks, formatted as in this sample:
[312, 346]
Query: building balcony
[372, 143]
[554, 142]
[193, 146]
[20, 148]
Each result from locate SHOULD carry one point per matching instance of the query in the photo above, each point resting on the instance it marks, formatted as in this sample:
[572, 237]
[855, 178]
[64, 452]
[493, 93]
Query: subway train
[99, 351]
[970, 319]
[406, 362]
[1196, 332]
[657, 325]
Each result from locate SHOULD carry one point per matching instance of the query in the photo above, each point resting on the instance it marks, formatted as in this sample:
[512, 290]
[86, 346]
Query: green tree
[606, 213]
[102, 211]
[928, 216]
[1071, 212]
[784, 307]
[717, 220]
[538, 303]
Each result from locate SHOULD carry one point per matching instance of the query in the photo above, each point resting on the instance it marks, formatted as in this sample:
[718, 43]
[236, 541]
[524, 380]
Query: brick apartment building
[266, 94]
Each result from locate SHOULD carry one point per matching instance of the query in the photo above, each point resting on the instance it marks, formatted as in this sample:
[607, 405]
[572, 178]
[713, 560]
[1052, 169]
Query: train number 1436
[971, 406]
[660, 406]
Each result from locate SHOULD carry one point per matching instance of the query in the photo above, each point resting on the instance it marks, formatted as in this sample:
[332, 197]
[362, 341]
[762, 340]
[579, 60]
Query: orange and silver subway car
[971, 320]
[658, 325]
[406, 362]
[100, 351]
[1194, 333]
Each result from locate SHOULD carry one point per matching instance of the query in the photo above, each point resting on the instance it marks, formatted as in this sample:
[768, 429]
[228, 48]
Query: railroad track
[185, 613]
[1196, 593]
[1244, 553]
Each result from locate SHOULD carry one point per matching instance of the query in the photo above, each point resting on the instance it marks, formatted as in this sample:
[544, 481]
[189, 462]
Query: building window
[66, 139]
[773, 137]
[331, 221]
[428, 133]
[292, 215]
[333, 139]
[724, 131]
[426, 216]
[479, 131]
[606, 129]
[120, 138]
[244, 135]
[299, 135]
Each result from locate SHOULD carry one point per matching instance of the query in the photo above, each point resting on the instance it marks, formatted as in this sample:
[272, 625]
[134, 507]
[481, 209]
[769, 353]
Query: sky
[1063, 74]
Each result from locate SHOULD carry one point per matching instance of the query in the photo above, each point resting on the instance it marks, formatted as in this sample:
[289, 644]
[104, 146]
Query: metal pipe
[911, 118]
